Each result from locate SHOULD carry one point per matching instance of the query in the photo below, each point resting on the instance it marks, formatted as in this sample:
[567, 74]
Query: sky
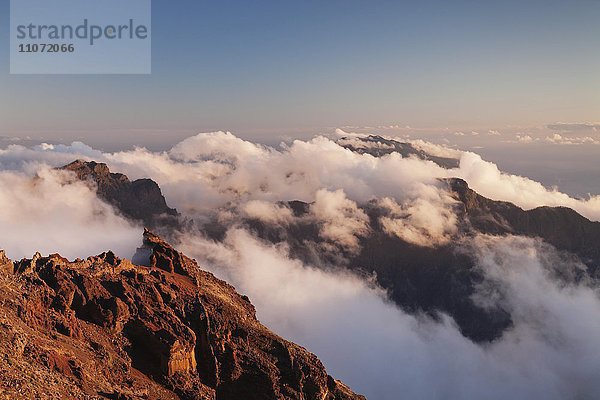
[272, 66]
[275, 70]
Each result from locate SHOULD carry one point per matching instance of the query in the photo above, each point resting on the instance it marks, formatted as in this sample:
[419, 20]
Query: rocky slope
[108, 328]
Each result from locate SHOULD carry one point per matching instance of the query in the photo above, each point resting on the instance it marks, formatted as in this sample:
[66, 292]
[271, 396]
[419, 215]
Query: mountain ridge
[107, 328]
[378, 146]
[442, 278]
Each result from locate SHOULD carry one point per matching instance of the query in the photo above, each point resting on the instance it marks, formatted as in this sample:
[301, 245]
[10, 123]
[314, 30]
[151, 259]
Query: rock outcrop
[141, 200]
[107, 328]
[5, 263]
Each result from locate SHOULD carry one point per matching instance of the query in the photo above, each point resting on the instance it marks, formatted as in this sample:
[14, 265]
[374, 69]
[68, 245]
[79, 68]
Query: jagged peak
[140, 200]
[89, 167]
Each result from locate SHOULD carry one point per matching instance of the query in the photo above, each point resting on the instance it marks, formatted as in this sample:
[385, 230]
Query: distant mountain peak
[140, 200]
[378, 146]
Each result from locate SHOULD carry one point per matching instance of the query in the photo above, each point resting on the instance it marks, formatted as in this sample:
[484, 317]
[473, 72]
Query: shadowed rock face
[418, 279]
[140, 200]
[444, 278]
[561, 227]
[104, 326]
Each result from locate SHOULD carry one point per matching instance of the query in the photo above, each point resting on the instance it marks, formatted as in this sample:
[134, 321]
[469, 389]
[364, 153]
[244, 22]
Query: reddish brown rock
[6, 266]
[106, 327]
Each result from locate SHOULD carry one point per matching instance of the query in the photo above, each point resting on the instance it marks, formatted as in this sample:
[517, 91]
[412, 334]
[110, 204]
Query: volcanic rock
[140, 200]
[107, 328]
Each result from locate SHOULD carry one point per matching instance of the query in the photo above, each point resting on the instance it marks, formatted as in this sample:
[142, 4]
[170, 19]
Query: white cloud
[487, 180]
[427, 221]
[435, 149]
[211, 170]
[525, 138]
[267, 212]
[49, 213]
[558, 139]
[362, 144]
[381, 351]
[342, 222]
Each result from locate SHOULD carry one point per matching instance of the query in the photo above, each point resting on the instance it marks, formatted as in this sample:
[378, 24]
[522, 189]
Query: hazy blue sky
[262, 68]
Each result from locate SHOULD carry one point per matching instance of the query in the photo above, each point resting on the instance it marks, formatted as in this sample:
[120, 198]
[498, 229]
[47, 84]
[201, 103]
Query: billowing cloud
[426, 221]
[356, 143]
[521, 138]
[341, 221]
[267, 212]
[381, 351]
[292, 173]
[486, 179]
[213, 169]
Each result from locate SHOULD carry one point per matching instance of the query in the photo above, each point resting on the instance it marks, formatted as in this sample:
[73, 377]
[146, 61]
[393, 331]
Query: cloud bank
[381, 351]
[214, 169]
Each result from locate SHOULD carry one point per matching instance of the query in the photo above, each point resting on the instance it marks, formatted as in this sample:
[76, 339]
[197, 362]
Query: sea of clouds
[362, 337]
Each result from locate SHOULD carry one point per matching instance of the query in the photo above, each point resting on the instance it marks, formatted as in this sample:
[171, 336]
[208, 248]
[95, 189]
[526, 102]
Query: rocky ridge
[105, 327]
[561, 227]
